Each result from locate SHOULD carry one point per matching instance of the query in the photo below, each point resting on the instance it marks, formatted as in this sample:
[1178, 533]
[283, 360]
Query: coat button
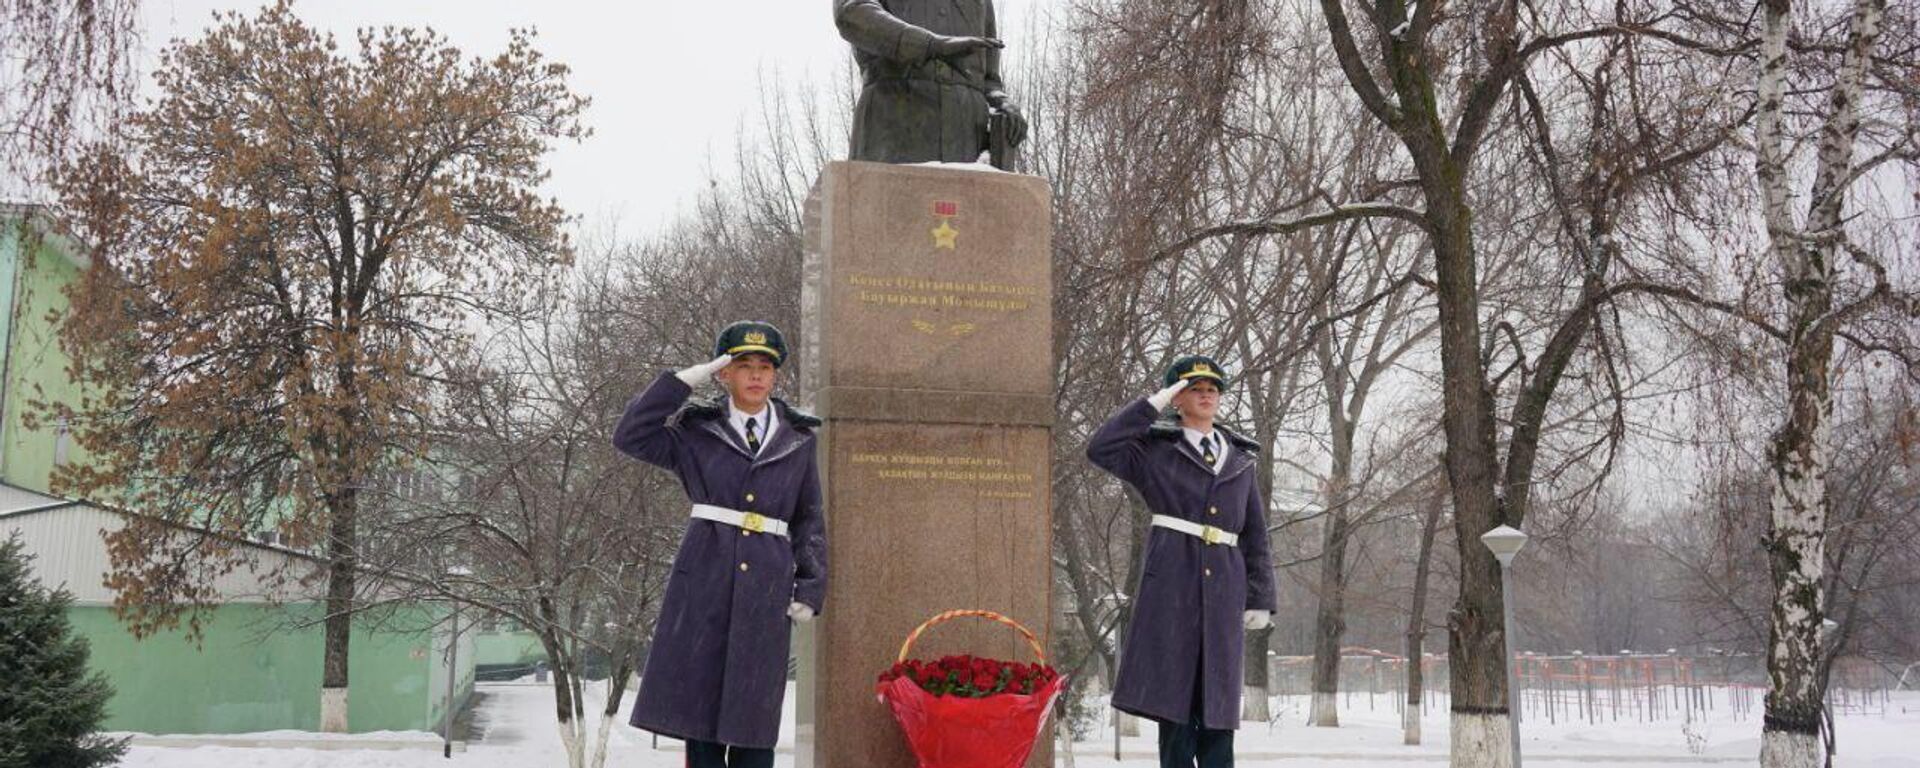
[1213, 510]
[749, 497]
[1206, 571]
[745, 532]
[743, 567]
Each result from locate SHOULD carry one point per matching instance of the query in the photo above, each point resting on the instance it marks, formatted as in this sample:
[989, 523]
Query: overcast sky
[670, 81]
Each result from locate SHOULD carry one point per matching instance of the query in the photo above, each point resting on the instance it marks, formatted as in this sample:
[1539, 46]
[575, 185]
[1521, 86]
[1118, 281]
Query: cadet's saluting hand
[699, 374]
[1160, 399]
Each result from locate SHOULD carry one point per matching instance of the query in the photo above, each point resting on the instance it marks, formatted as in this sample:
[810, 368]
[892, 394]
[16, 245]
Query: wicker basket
[996, 731]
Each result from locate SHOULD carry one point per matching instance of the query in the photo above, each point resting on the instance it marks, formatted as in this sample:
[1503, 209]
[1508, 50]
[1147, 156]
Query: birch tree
[1811, 247]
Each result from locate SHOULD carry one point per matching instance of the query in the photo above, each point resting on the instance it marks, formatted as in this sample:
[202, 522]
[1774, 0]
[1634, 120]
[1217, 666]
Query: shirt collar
[765, 420]
[1220, 448]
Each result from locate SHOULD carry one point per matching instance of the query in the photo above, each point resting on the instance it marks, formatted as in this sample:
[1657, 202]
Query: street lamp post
[1506, 541]
[453, 670]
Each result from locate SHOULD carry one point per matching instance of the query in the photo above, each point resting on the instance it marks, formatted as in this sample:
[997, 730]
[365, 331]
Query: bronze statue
[931, 90]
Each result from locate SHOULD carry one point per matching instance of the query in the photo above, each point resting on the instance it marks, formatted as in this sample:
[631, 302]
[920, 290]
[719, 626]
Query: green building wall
[507, 647]
[34, 272]
[243, 678]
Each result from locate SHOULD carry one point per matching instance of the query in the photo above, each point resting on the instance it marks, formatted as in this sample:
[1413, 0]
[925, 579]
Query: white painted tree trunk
[1482, 740]
[1254, 706]
[1326, 710]
[567, 709]
[570, 741]
[609, 711]
[1410, 724]
[600, 741]
[1801, 449]
[333, 710]
[1780, 748]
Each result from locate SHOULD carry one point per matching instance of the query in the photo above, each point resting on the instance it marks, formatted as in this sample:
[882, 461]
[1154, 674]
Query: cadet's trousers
[706, 754]
[1191, 744]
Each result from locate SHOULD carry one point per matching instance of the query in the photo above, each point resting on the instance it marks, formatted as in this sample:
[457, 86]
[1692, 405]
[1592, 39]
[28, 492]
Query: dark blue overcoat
[717, 668]
[1187, 625]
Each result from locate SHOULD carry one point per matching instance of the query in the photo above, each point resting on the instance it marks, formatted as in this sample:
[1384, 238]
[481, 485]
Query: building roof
[15, 500]
[48, 225]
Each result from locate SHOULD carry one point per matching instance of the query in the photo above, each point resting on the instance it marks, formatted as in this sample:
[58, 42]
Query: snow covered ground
[514, 729]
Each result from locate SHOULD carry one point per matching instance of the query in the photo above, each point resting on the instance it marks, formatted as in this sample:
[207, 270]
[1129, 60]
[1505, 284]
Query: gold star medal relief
[945, 235]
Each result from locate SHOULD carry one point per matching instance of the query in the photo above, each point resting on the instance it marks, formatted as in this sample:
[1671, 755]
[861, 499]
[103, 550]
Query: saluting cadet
[752, 560]
[1206, 573]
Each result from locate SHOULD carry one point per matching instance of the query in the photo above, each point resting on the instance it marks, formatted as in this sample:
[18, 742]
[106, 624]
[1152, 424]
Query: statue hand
[1017, 122]
[955, 47]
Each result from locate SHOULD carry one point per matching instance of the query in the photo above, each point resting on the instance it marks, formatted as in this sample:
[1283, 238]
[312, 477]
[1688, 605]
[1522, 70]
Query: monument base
[927, 348]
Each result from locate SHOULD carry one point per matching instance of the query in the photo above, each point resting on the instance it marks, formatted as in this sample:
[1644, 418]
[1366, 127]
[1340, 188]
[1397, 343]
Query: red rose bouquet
[968, 711]
[972, 677]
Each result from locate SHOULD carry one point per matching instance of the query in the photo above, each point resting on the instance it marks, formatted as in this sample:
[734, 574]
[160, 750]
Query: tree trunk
[1088, 598]
[567, 712]
[1255, 701]
[1257, 697]
[610, 711]
[343, 564]
[1800, 455]
[1801, 450]
[1330, 622]
[566, 684]
[1330, 617]
[1127, 725]
[1417, 621]
[1476, 641]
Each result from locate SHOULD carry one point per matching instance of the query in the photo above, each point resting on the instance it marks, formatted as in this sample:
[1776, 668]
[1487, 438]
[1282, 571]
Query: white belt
[746, 521]
[1207, 533]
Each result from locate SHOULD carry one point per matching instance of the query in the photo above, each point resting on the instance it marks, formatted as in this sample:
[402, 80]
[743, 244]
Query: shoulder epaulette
[698, 410]
[797, 417]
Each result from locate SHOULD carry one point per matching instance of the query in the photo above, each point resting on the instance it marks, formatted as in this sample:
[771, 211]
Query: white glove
[1257, 620]
[800, 612]
[1160, 399]
[699, 374]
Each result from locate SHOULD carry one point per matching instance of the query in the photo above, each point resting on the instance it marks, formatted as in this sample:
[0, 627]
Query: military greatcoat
[1187, 628]
[717, 668]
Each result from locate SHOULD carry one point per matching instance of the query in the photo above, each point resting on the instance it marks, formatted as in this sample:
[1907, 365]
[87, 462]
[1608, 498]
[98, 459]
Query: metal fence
[1629, 687]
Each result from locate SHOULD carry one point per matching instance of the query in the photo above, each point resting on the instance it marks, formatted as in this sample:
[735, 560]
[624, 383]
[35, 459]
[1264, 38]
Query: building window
[62, 436]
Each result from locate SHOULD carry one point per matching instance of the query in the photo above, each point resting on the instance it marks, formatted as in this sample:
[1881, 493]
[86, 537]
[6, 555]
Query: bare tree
[1425, 56]
[1416, 619]
[67, 77]
[525, 510]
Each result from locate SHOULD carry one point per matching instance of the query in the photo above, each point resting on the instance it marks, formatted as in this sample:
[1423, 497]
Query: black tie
[753, 436]
[1206, 449]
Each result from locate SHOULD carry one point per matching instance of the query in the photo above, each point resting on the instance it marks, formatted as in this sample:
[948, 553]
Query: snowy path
[514, 729]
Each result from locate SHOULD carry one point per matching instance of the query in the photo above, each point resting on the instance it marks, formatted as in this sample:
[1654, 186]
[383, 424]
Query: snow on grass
[515, 729]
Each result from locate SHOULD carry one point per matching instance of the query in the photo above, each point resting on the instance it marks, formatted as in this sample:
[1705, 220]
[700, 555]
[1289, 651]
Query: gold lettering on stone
[974, 470]
[908, 291]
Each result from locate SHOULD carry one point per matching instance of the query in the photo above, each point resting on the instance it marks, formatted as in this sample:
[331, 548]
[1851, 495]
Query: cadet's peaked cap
[1197, 367]
[752, 336]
